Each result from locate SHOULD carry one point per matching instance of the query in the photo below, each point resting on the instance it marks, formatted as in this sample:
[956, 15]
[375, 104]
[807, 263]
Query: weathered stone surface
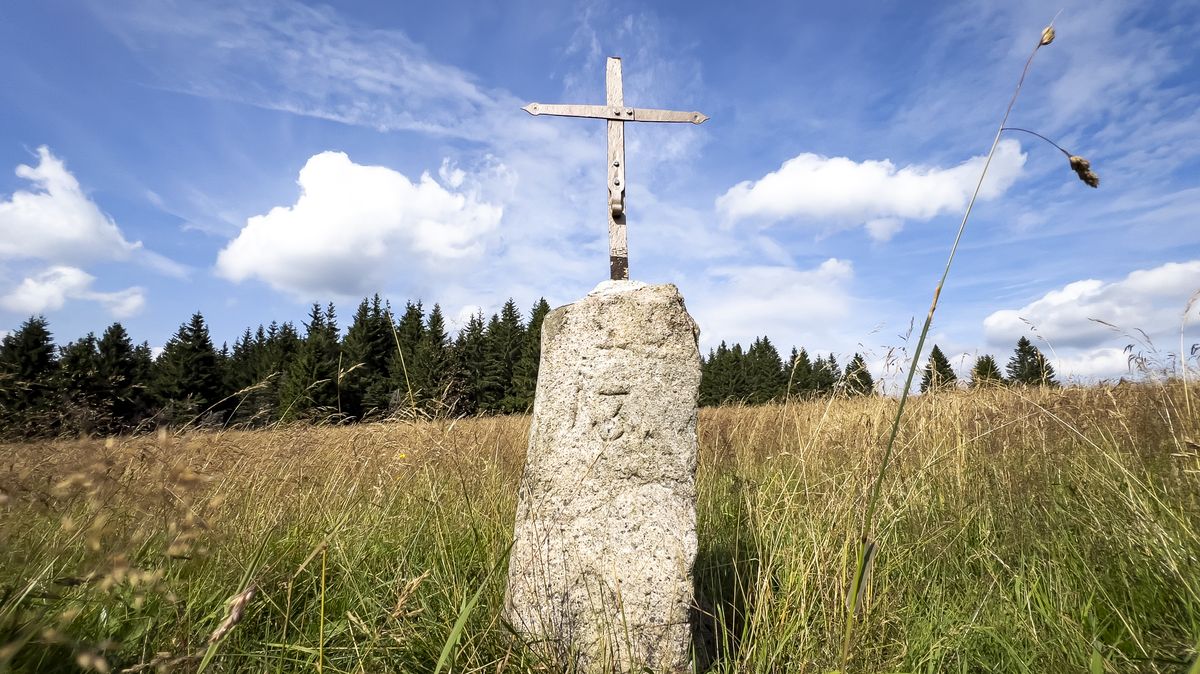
[600, 573]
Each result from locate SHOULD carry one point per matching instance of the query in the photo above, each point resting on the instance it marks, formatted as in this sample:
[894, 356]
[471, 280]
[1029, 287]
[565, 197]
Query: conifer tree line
[758, 375]
[1027, 367]
[384, 363]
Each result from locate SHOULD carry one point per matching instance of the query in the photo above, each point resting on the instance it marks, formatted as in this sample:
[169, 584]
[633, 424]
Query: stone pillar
[600, 574]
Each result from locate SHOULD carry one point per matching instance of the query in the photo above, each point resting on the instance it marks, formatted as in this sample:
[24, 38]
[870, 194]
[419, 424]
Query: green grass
[1040, 531]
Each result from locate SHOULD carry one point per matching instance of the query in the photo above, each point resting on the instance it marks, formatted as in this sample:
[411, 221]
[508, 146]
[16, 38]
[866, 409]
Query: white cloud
[1151, 300]
[1103, 362]
[1148, 304]
[803, 306]
[56, 221]
[52, 288]
[840, 191]
[306, 60]
[290, 56]
[883, 229]
[355, 226]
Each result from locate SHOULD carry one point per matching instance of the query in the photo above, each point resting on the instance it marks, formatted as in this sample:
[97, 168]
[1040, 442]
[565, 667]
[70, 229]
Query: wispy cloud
[306, 60]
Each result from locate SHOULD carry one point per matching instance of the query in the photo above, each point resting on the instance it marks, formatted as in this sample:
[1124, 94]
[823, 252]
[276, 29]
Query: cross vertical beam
[616, 114]
[618, 246]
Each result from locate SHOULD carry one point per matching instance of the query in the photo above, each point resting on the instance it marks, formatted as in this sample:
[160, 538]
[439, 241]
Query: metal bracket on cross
[617, 114]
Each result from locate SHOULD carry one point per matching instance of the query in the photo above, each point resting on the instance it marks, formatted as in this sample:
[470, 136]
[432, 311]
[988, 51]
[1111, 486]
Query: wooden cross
[617, 114]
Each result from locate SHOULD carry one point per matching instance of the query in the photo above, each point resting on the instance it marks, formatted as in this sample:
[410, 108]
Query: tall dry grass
[1018, 530]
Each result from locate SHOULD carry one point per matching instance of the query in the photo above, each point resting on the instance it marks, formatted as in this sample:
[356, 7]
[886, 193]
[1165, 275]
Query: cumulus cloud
[50, 289]
[1146, 303]
[353, 226]
[741, 303]
[56, 221]
[1151, 300]
[841, 191]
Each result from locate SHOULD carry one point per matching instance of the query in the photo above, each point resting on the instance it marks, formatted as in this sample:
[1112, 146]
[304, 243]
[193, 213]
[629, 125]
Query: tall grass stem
[872, 503]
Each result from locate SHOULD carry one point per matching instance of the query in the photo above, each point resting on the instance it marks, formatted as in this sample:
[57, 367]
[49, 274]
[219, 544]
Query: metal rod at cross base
[616, 114]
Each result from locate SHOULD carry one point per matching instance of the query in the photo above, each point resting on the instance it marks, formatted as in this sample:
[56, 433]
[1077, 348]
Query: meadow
[1018, 530]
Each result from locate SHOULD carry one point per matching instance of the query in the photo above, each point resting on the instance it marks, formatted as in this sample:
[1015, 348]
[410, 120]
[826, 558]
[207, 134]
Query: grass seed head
[1083, 168]
[237, 607]
[92, 661]
[1047, 36]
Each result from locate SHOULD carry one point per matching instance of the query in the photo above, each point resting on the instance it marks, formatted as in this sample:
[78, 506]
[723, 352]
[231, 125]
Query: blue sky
[247, 159]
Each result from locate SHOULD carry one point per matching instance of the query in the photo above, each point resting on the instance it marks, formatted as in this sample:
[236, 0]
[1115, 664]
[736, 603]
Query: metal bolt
[616, 163]
[629, 111]
[617, 181]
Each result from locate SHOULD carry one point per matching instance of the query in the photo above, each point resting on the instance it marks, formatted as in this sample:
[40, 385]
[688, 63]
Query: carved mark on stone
[573, 411]
[608, 422]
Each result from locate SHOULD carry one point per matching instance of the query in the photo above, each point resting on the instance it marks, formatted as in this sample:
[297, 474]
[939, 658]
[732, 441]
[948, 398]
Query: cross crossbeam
[615, 112]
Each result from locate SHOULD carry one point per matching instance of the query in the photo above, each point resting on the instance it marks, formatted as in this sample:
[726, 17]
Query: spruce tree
[282, 346]
[121, 386]
[494, 381]
[857, 376]
[368, 347]
[505, 343]
[311, 385]
[706, 395]
[739, 384]
[800, 374]
[187, 378]
[146, 404]
[1029, 367]
[28, 368]
[720, 376]
[826, 375]
[245, 380]
[435, 364]
[405, 383]
[938, 374]
[240, 368]
[83, 406]
[526, 371]
[764, 372]
[470, 349]
[985, 372]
